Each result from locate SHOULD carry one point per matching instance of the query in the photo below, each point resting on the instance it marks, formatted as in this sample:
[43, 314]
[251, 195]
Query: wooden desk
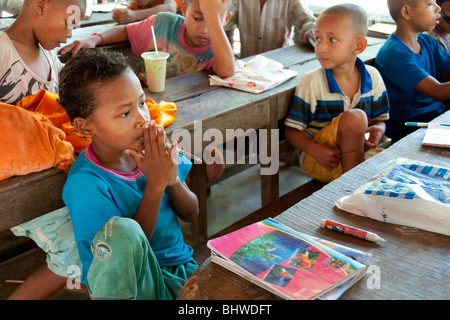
[414, 263]
[97, 18]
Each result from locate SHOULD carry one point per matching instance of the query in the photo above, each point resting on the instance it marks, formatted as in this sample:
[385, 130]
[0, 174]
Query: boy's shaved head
[357, 15]
[395, 6]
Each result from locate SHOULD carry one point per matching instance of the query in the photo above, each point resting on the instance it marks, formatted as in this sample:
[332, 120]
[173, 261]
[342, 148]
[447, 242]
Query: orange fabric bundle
[163, 113]
[37, 134]
[46, 103]
[30, 143]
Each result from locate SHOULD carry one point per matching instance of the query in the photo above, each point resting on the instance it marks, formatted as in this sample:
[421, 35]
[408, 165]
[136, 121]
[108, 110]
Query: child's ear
[83, 127]
[361, 45]
[41, 5]
[405, 11]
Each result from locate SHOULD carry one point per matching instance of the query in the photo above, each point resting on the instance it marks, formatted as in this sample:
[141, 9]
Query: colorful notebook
[287, 263]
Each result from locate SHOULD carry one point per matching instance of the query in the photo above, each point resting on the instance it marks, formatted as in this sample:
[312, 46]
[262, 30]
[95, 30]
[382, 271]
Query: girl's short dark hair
[83, 75]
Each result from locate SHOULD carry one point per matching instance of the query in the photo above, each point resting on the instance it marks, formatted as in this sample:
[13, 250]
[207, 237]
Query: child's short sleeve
[400, 67]
[140, 35]
[184, 166]
[299, 114]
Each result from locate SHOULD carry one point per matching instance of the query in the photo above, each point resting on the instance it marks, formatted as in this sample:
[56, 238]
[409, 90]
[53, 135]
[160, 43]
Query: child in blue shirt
[411, 63]
[126, 190]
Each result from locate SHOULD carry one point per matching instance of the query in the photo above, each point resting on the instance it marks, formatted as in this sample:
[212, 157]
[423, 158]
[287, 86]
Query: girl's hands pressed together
[157, 162]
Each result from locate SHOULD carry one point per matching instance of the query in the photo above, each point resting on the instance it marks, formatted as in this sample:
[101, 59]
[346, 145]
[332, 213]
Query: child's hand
[327, 157]
[124, 15]
[375, 134]
[157, 162]
[212, 7]
[79, 44]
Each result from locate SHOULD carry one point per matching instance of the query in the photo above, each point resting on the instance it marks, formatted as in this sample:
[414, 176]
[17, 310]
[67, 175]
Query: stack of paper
[437, 135]
[256, 76]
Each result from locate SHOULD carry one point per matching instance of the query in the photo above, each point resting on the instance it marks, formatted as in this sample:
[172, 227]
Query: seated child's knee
[354, 119]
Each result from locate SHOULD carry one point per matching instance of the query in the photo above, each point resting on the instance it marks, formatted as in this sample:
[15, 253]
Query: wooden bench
[22, 199]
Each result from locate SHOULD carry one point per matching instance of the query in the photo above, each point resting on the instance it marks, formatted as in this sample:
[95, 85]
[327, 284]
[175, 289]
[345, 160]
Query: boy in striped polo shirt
[336, 105]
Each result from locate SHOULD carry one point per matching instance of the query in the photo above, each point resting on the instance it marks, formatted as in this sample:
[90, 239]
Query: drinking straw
[154, 41]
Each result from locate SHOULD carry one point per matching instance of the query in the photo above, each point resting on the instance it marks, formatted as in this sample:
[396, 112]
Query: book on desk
[437, 135]
[287, 263]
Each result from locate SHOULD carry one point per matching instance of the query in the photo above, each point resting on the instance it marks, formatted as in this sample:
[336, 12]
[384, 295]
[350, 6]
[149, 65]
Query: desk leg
[269, 189]
[269, 183]
[198, 185]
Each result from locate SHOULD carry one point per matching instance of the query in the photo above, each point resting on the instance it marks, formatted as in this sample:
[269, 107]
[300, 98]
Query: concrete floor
[240, 195]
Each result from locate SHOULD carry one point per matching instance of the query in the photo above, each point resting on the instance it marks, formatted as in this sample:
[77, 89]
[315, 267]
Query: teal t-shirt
[94, 194]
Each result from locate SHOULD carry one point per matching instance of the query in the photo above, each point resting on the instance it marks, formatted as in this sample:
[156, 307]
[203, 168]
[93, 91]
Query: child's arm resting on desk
[327, 157]
[114, 35]
[222, 51]
[437, 90]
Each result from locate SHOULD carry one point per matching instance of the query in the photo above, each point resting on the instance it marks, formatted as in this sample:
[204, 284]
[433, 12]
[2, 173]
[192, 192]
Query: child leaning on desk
[335, 105]
[411, 64]
[125, 191]
[27, 62]
[195, 41]
[27, 65]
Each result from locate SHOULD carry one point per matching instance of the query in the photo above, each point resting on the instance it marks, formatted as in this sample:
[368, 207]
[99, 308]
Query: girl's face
[196, 34]
[56, 20]
[118, 120]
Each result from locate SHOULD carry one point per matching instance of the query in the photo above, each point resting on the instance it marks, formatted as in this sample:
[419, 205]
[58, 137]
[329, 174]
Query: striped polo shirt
[318, 99]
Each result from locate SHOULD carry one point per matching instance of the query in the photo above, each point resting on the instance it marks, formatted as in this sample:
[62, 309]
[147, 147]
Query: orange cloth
[327, 136]
[30, 143]
[163, 113]
[38, 130]
[46, 103]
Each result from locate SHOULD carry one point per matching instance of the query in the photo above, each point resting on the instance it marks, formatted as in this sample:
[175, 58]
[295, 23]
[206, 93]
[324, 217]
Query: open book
[287, 263]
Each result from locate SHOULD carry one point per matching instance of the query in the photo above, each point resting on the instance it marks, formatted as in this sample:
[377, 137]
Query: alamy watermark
[75, 16]
[241, 147]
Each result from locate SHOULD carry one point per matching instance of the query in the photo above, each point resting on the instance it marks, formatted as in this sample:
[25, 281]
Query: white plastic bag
[256, 76]
[406, 192]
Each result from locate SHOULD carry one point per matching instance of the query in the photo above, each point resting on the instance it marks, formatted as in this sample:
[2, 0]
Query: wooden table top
[413, 263]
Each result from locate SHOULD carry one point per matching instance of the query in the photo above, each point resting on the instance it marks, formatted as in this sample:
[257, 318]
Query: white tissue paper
[406, 192]
[255, 76]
